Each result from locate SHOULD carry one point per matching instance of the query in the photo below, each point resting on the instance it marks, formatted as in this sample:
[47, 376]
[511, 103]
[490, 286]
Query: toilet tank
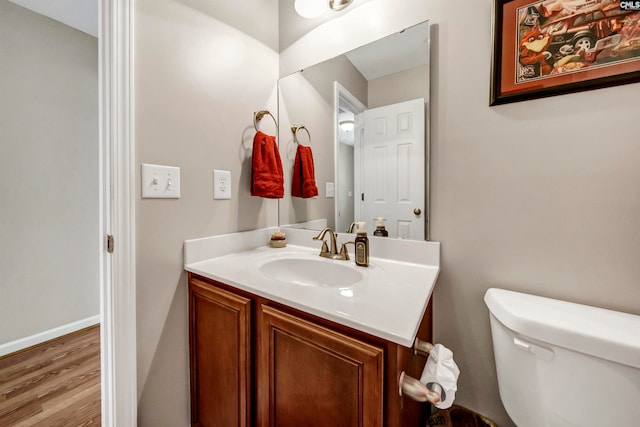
[564, 364]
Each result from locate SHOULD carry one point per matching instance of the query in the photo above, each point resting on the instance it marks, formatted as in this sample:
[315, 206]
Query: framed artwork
[553, 47]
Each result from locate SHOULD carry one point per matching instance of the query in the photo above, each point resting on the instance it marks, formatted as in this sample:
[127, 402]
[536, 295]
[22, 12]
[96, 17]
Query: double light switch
[160, 182]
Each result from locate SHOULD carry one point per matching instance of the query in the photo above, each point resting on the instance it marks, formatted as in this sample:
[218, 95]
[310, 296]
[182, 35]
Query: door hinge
[110, 243]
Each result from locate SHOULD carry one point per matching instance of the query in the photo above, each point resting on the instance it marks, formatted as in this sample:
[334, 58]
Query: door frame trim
[342, 96]
[117, 215]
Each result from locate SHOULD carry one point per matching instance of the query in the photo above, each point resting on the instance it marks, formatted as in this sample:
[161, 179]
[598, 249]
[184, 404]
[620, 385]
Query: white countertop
[389, 302]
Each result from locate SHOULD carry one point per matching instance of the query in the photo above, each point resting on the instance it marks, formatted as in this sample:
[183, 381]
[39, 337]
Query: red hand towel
[267, 178]
[303, 182]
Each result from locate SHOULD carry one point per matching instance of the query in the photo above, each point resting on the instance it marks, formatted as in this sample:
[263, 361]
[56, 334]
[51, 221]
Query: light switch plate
[221, 184]
[160, 182]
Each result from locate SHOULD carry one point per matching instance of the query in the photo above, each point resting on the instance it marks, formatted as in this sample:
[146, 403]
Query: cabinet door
[219, 334]
[312, 376]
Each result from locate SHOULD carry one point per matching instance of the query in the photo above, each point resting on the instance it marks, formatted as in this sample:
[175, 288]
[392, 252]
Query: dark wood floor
[53, 384]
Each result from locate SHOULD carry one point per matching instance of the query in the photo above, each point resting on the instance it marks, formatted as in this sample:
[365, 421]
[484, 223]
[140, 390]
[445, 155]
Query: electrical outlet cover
[221, 184]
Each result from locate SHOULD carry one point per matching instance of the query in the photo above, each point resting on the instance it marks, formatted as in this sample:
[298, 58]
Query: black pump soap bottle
[362, 246]
[380, 230]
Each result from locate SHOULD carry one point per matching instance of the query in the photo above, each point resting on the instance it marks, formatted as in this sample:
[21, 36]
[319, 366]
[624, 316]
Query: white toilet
[563, 364]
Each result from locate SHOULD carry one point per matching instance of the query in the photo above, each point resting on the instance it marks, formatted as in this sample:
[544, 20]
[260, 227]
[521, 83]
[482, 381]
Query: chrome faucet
[333, 253]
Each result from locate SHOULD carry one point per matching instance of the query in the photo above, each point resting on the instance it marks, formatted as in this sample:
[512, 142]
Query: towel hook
[295, 129]
[258, 115]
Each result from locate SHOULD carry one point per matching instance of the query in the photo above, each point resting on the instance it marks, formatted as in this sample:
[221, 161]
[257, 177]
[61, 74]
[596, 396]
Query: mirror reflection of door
[392, 168]
[380, 165]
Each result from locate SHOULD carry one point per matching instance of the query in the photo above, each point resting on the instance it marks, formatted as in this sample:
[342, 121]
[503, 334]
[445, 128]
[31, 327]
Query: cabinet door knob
[417, 211]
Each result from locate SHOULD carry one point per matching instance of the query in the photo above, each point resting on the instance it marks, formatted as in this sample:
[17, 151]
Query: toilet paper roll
[441, 369]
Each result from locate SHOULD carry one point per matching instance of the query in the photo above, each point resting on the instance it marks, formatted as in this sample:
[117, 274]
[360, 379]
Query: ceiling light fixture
[347, 125]
[314, 8]
[310, 8]
[337, 5]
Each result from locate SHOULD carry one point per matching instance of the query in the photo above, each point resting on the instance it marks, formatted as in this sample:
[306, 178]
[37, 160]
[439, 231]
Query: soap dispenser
[362, 246]
[380, 230]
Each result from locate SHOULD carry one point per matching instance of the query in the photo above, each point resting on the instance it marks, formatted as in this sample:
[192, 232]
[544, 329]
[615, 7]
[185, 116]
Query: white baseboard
[26, 342]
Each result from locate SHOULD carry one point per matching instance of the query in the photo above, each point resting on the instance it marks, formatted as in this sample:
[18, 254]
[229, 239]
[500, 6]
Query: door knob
[417, 211]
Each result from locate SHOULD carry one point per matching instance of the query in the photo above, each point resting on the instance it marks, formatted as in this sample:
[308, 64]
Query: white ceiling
[392, 54]
[79, 14]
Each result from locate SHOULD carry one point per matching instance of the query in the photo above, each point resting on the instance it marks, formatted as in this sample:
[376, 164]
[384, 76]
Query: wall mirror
[367, 117]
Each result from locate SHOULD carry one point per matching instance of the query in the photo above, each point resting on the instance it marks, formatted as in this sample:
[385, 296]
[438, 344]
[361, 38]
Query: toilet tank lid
[603, 333]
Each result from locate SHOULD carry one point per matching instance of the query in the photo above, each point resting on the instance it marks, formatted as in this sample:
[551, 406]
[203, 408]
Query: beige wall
[49, 232]
[399, 87]
[538, 196]
[198, 80]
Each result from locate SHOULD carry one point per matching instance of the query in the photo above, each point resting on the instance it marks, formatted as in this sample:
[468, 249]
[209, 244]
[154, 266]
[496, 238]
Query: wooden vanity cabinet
[220, 353]
[310, 375]
[255, 362]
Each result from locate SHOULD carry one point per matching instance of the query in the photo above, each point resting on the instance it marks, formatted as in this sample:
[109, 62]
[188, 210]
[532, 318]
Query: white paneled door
[393, 168]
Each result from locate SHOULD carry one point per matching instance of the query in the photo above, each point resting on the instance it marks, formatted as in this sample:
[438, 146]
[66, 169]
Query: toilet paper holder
[412, 387]
[415, 390]
[422, 348]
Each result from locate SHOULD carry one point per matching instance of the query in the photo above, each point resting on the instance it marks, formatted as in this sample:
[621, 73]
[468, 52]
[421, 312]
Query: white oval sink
[311, 272]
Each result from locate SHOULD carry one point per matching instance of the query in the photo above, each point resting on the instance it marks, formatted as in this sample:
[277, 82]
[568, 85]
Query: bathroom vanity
[272, 349]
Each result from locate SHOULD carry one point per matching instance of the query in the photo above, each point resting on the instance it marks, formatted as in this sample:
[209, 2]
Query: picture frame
[551, 47]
